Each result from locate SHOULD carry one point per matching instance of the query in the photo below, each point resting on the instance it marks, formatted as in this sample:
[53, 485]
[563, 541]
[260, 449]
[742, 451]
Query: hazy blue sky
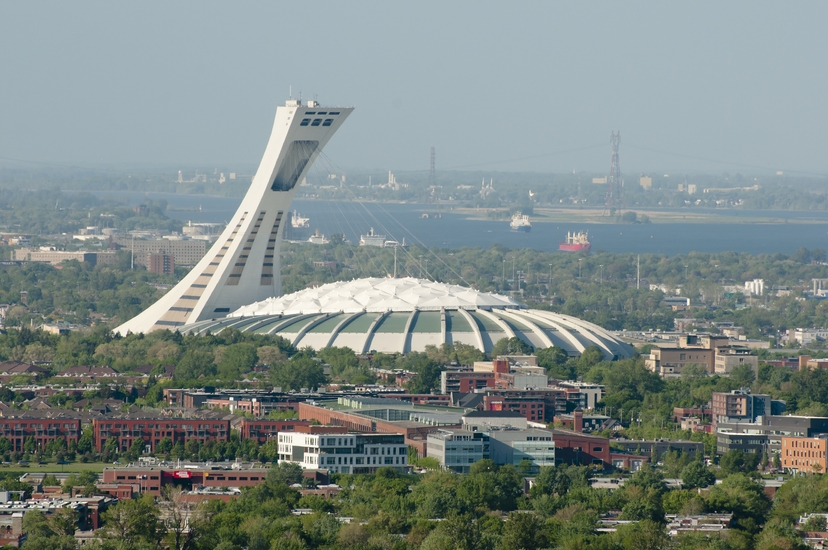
[197, 83]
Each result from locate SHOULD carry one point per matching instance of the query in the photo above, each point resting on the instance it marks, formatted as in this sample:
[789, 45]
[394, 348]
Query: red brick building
[580, 449]
[151, 479]
[160, 262]
[265, 430]
[153, 430]
[40, 428]
[536, 405]
[466, 381]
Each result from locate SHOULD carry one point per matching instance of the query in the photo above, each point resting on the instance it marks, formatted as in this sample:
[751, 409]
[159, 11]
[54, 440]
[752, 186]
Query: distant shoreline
[556, 214]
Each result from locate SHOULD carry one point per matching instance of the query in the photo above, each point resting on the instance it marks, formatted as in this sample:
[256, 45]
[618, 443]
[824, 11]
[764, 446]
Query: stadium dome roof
[407, 314]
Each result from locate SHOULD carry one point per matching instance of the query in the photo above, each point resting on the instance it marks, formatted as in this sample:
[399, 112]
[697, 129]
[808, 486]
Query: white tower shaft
[242, 266]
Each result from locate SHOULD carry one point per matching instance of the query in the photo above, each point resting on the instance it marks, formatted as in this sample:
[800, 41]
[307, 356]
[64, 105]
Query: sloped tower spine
[242, 266]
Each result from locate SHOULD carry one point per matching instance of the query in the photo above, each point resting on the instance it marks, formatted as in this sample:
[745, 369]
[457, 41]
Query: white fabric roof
[377, 295]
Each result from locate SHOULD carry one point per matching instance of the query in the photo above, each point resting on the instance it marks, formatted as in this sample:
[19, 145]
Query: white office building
[349, 453]
[511, 446]
[457, 450]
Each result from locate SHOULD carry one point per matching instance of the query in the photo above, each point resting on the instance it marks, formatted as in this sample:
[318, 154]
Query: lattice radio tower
[432, 173]
[614, 184]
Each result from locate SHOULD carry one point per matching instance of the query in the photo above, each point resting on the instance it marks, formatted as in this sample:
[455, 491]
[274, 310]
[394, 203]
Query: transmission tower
[432, 173]
[614, 183]
[432, 181]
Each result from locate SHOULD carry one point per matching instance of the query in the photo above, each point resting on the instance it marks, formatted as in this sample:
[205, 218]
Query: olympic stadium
[238, 282]
[403, 315]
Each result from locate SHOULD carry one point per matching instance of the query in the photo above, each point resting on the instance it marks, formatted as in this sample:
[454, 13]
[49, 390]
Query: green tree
[195, 363]
[523, 530]
[511, 346]
[286, 473]
[554, 360]
[236, 359]
[428, 372]
[697, 476]
[743, 376]
[743, 497]
[133, 522]
[300, 372]
[50, 481]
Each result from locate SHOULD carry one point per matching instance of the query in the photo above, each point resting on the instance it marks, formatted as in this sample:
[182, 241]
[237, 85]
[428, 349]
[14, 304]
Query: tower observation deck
[243, 267]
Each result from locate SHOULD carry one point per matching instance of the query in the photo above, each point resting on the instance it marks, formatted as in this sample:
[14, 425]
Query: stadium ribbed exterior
[243, 265]
[403, 315]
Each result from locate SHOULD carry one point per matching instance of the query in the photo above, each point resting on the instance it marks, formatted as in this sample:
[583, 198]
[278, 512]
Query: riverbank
[655, 216]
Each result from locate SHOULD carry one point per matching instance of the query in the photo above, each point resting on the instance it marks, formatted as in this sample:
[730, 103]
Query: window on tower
[296, 158]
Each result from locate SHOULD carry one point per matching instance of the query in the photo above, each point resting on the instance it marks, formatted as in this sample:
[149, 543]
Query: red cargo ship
[575, 242]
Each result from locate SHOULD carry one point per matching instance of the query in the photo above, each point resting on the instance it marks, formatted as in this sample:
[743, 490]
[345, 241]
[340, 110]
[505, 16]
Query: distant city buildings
[807, 336]
[183, 252]
[766, 432]
[756, 287]
[51, 255]
[714, 353]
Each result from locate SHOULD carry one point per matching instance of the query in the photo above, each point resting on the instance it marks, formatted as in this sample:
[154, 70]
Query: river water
[405, 221]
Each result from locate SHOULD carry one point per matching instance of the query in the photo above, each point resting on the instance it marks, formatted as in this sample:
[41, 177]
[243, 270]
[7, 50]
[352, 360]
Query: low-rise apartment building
[465, 381]
[152, 430]
[536, 405]
[40, 428]
[741, 406]
[349, 453]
